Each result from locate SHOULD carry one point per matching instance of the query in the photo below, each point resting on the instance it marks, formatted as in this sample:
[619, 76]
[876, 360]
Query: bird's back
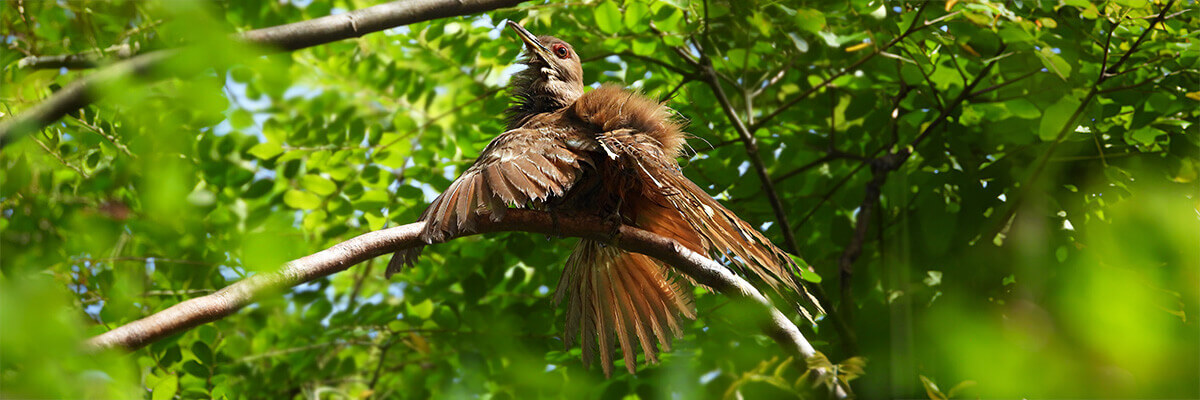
[612, 108]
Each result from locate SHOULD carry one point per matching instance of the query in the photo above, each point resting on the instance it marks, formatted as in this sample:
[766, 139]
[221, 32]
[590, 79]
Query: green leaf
[931, 389]
[805, 270]
[421, 310]
[644, 47]
[608, 17]
[635, 16]
[241, 119]
[1055, 118]
[1055, 63]
[266, 151]
[258, 188]
[1023, 108]
[194, 368]
[301, 200]
[375, 220]
[202, 352]
[954, 391]
[810, 20]
[799, 42]
[319, 184]
[166, 388]
[171, 356]
[1145, 135]
[933, 278]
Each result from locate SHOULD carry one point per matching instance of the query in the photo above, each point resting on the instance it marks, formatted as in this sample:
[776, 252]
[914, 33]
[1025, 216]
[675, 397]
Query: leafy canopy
[1039, 241]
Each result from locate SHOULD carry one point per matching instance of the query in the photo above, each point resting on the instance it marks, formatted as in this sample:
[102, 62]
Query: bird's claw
[614, 227]
[555, 227]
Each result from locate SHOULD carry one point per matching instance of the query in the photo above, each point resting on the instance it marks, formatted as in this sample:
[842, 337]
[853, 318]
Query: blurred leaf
[810, 20]
[608, 17]
[1056, 117]
[166, 388]
[301, 200]
[319, 185]
[267, 150]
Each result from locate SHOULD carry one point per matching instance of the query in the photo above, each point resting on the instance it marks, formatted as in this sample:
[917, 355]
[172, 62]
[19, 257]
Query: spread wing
[519, 168]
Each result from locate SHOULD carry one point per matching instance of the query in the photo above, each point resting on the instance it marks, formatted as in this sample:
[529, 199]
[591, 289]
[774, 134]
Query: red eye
[561, 51]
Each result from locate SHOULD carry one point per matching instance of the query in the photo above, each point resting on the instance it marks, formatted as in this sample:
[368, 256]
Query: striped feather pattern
[520, 168]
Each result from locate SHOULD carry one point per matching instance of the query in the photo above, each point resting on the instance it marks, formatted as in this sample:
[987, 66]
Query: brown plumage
[613, 152]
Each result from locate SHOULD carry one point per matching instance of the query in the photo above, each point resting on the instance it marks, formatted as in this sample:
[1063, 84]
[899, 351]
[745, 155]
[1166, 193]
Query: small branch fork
[197, 311]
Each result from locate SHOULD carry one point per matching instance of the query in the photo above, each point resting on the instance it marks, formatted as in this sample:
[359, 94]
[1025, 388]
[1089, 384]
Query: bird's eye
[561, 51]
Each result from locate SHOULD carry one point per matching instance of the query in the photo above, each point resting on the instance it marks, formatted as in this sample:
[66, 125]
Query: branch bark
[84, 60]
[287, 37]
[225, 302]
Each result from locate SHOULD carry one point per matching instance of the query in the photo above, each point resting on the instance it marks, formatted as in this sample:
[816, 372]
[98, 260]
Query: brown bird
[613, 152]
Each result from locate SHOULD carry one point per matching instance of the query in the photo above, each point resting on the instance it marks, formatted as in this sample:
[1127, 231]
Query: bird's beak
[531, 41]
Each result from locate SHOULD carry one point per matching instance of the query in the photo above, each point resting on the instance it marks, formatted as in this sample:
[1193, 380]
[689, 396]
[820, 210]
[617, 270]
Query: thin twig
[61, 160]
[915, 27]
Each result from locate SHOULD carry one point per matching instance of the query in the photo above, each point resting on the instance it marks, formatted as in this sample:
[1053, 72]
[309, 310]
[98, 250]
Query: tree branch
[225, 302]
[287, 37]
[706, 70]
[84, 60]
[880, 168]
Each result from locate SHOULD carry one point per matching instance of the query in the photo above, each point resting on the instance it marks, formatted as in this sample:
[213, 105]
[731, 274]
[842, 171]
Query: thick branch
[287, 37]
[225, 302]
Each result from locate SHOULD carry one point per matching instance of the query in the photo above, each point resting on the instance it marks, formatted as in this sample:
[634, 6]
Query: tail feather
[711, 228]
[611, 293]
[623, 317]
[635, 303]
[721, 230]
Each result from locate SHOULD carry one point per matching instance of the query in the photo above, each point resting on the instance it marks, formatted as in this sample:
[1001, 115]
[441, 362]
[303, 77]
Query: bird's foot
[614, 227]
[556, 230]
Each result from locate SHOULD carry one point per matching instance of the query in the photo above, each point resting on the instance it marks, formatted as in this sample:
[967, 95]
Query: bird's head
[553, 79]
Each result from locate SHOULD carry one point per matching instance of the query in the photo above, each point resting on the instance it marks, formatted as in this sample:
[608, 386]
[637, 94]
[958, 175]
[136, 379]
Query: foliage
[1039, 241]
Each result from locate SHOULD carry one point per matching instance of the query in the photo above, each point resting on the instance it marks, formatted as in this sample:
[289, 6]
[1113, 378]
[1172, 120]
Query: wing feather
[513, 169]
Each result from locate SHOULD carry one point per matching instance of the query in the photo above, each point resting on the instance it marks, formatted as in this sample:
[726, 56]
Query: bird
[612, 152]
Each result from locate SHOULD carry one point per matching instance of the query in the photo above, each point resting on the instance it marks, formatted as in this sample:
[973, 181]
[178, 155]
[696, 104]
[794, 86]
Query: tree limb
[225, 302]
[286, 37]
[84, 60]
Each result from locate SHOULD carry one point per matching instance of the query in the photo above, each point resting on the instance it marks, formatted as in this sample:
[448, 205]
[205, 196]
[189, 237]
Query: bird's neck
[527, 103]
[534, 91]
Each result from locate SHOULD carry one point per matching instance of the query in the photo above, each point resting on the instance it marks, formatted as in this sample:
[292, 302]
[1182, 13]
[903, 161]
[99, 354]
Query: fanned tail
[612, 292]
